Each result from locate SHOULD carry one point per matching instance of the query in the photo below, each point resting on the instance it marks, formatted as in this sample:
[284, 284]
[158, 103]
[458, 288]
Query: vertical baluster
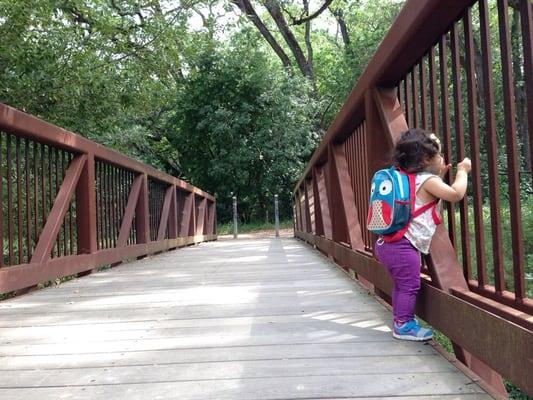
[20, 222]
[433, 91]
[526, 19]
[443, 66]
[407, 102]
[120, 211]
[366, 174]
[102, 206]
[162, 194]
[359, 189]
[416, 100]
[117, 203]
[127, 187]
[2, 197]
[150, 206]
[65, 223]
[50, 186]
[35, 193]
[9, 201]
[474, 139]
[56, 191]
[512, 157]
[150, 210]
[156, 208]
[98, 212]
[122, 194]
[113, 205]
[358, 172]
[27, 178]
[153, 198]
[107, 191]
[43, 187]
[70, 209]
[491, 142]
[50, 200]
[158, 214]
[101, 209]
[423, 92]
[133, 231]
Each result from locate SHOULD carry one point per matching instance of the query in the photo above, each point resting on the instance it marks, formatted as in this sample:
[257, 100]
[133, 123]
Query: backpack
[392, 204]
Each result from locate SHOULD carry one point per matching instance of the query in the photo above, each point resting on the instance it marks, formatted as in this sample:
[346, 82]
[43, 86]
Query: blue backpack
[392, 203]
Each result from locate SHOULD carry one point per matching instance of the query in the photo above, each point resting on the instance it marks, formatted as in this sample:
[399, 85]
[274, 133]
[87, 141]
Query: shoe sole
[412, 338]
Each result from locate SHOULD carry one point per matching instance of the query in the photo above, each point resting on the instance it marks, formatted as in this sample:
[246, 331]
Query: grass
[251, 227]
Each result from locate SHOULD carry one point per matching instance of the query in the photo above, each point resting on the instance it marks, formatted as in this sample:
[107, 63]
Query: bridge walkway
[234, 319]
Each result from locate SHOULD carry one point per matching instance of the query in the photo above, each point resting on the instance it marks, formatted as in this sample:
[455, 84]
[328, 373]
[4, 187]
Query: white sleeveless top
[422, 228]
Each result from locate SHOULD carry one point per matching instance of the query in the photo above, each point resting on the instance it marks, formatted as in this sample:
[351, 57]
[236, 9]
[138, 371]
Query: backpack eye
[373, 188]
[385, 188]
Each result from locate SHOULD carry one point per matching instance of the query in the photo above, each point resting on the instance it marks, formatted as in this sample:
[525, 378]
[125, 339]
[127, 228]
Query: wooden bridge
[274, 318]
[244, 319]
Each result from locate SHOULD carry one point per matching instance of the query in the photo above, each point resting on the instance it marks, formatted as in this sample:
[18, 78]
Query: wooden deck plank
[246, 319]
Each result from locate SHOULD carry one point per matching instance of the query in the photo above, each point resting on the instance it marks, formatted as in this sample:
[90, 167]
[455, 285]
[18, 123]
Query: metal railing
[70, 205]
[450, 67]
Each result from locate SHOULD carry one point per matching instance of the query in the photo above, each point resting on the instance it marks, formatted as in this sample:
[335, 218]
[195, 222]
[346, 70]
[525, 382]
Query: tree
[243, 127]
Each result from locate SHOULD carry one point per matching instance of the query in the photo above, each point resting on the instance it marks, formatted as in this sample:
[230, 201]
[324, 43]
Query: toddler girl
[417, 152]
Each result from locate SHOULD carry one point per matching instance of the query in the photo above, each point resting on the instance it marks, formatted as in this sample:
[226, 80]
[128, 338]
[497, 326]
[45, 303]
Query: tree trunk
[308, 42]
[246, 7]
[339, 16]
[274, 10]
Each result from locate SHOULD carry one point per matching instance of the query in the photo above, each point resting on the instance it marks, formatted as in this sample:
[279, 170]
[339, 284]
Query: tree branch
[308, 38]
[314, 15]
[246, 7]
[274, 10]
[339, 16]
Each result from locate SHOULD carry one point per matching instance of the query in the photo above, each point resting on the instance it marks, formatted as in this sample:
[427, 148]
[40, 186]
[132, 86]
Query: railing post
[235, 233]
[142, 221]
[276, 215]
[86, 208]
[173, 217]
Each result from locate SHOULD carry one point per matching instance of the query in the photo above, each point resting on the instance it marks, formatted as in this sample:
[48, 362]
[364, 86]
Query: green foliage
[227, 229]
[91, 68]
[526, 219]
[211, 104]
[244, 128]
[339, 67]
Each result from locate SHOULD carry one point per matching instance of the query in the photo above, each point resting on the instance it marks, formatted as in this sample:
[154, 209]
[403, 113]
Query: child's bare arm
[457, 190]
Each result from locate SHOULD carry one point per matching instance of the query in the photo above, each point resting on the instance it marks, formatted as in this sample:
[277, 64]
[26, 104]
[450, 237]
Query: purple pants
[403, 263]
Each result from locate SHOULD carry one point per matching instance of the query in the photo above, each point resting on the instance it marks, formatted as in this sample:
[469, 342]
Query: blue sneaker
[411, 330]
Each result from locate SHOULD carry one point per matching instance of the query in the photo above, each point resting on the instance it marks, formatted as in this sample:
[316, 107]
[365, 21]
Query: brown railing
[451, 67]
[70, 205]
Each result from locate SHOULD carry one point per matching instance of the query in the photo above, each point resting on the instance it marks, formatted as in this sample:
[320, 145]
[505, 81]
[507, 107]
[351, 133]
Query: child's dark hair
[414, 149]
